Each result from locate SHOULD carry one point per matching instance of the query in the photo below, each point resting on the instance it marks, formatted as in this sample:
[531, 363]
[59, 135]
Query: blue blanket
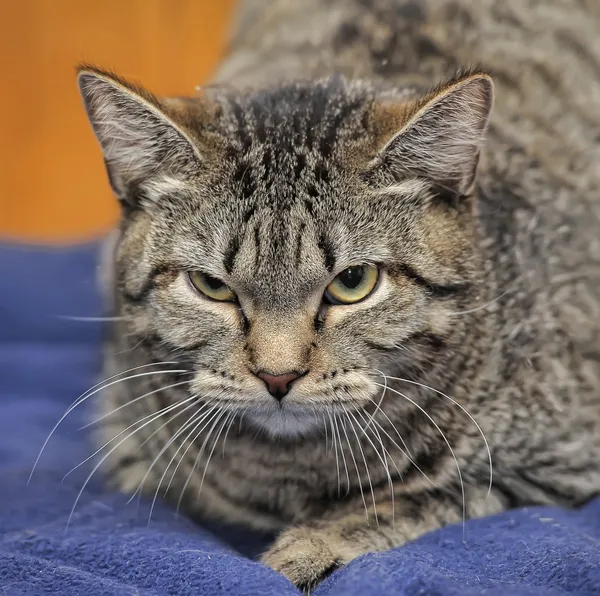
[47, 361]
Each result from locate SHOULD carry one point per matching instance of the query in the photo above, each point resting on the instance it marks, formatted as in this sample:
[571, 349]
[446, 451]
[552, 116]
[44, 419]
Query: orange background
[53, 186]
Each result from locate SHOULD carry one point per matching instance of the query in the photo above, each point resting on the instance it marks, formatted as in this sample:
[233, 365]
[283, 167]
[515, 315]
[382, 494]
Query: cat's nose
[279, 385]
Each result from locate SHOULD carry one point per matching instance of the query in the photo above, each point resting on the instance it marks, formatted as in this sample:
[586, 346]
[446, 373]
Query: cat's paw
[304, 555]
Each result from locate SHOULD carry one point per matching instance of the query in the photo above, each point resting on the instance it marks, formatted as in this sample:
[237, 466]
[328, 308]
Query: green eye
[211, 286]
[352, 285]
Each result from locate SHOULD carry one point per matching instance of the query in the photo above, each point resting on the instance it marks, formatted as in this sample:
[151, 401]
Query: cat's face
[291, 245]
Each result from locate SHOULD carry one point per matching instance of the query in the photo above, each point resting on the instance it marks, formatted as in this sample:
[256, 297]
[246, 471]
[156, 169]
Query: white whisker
[366, 467]
[462, 486]
[381, 459]
[153, 417]
[339, 438]
[480, 307]
[216, 440]
[214, 419]
[337, 463]
[378, 404]
[204, 416]
[362, 494]
[195, 421]
[92, 319]
[83, 397]
[234, 413]
[115, 410]
[452, 400]
[200, 413]
[386, 454]
[150, 418]
[405, 453]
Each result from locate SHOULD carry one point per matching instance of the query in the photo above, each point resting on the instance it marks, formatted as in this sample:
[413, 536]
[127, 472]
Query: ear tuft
[142, 145]
[442, 134]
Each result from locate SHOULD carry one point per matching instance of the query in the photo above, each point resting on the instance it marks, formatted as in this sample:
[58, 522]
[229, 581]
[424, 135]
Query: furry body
[486, 322]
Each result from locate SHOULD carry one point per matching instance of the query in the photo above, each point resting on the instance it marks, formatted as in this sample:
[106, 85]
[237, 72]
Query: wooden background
[52, 181]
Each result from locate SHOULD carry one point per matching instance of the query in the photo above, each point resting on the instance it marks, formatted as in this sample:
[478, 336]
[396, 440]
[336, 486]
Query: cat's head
[293, 243]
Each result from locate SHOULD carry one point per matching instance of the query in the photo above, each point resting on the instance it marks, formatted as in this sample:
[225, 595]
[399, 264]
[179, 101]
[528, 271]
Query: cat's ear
[440, 136]
[144, 149]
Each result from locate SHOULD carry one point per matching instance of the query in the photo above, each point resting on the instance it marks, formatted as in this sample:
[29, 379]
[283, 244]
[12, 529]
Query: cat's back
[544, 56]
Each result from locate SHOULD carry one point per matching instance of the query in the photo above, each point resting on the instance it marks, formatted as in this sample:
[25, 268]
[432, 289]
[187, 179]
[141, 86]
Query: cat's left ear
[145, 150]
[439, 136]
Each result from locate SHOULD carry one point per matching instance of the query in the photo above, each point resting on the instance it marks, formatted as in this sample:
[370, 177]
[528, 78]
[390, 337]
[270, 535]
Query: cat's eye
[352, 285]
[211, 287]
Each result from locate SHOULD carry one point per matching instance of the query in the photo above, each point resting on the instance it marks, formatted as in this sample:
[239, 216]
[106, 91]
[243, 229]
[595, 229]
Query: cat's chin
[282, 423]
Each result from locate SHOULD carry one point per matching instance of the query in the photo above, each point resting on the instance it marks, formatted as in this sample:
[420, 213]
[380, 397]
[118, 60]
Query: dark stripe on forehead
[231, 253]
[332, 124]
[326, 248]
[299, 244]
[257, 250]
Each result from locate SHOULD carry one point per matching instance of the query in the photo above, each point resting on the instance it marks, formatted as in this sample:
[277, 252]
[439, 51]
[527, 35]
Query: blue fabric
[46, 361]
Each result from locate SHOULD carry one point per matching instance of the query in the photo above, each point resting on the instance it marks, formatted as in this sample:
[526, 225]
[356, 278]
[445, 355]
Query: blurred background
[53, 183]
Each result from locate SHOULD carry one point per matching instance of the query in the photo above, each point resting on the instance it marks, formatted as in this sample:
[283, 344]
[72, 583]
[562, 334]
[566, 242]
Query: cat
[356, 288]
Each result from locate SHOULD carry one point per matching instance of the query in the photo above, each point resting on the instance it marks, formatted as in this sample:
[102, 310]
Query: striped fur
[335, 133]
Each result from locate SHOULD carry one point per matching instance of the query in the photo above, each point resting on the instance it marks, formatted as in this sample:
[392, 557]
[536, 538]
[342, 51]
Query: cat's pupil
[213, 283]
[352, 276]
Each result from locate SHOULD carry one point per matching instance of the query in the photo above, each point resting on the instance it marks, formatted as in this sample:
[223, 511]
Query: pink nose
[279, 385]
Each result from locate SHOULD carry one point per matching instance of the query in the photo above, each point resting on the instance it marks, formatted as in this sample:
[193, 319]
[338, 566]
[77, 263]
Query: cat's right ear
[145, 151]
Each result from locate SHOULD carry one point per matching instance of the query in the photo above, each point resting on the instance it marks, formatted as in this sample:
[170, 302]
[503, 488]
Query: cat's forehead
[289, 212]
[311, 117]
[280, 258]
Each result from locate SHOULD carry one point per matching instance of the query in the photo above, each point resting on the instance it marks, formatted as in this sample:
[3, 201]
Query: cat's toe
[303, 556]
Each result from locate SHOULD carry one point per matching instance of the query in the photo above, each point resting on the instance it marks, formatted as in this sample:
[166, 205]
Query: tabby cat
[352, 302]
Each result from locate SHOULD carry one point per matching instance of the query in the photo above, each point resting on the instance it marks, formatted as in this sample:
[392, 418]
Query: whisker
[214, 419]
[326, 433]
[381, 459]
[405, 453]
[405, 450]
[337, 463]
[138, 491]
[200, 413]
[462, 486]
[386, 454]
[234, 413]
[481, 307]
[92, 319]
[104, 416]
[97, 466]
[378, 404]
[83, 397]
[366, 467]
[337, 430]
[362, 494]
[452, 400]
[135, 346]
[216, 440]
[150, 418]
[195, 421]
[212, 410]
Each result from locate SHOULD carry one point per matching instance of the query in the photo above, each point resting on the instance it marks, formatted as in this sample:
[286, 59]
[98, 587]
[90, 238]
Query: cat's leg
[308, 553]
